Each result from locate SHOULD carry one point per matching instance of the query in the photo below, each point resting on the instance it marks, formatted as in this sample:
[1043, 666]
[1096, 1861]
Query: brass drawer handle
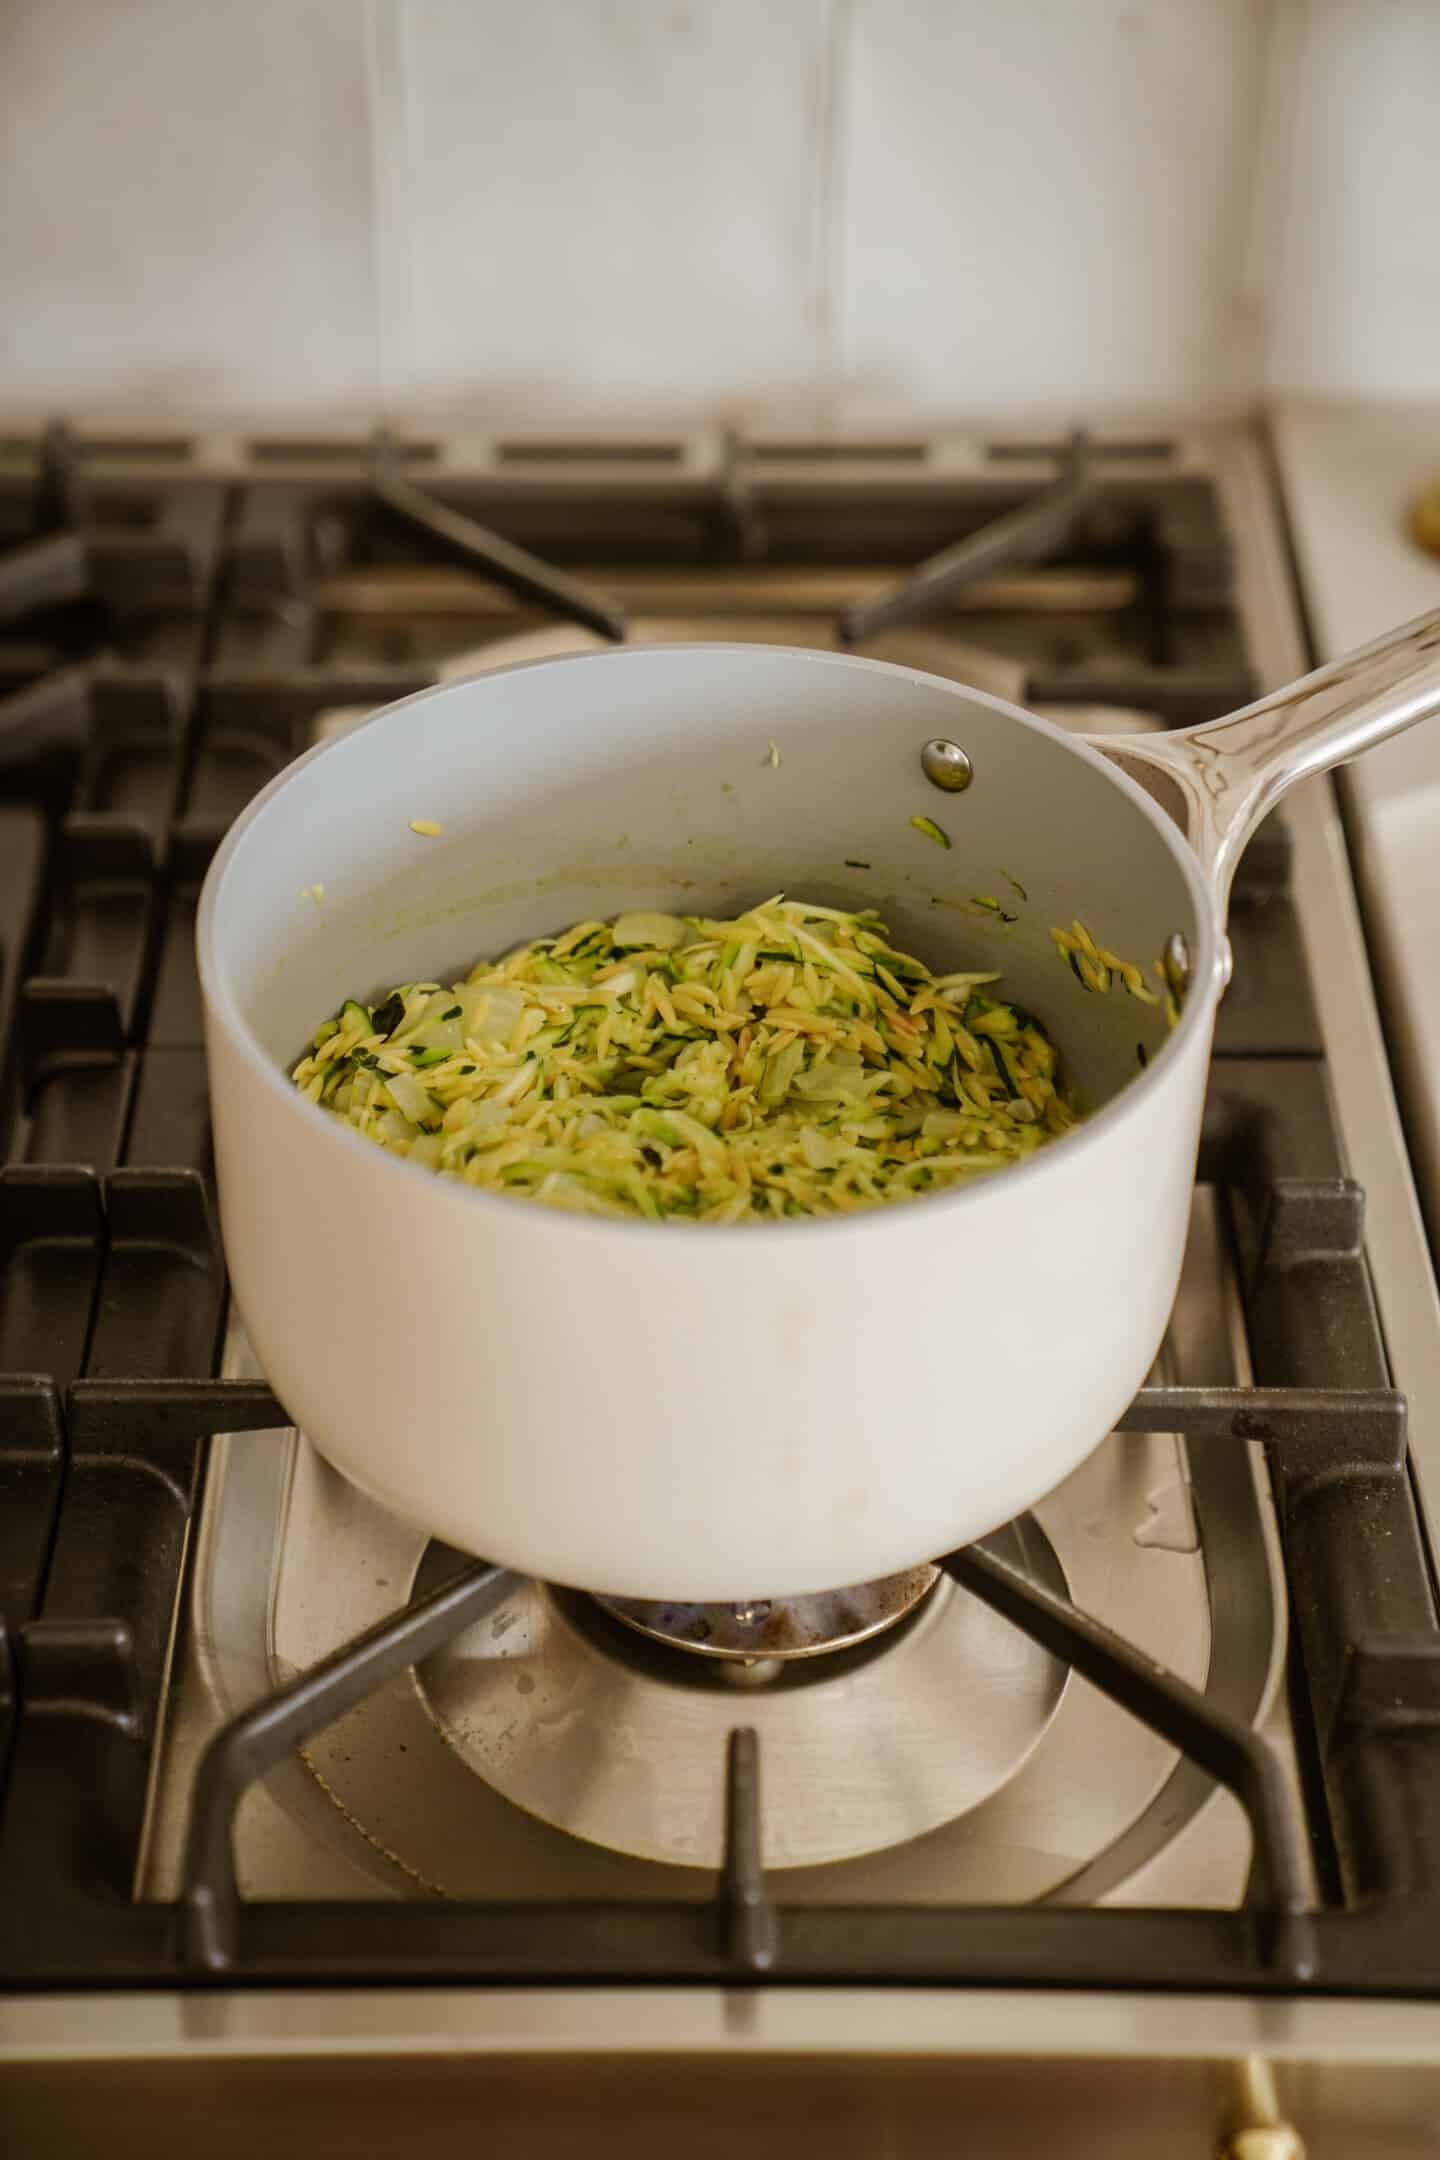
[1261, 2133]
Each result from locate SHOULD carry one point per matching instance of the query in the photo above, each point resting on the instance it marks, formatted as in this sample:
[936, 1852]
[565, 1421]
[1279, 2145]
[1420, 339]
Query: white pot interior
[646, 777]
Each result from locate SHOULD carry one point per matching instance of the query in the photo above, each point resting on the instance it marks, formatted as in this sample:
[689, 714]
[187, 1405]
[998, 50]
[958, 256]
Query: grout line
[391, 204]
[1267, 208]
[831, 174]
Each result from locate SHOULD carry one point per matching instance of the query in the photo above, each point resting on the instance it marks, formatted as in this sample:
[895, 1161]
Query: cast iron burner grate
[90, 1685]
[146, 566]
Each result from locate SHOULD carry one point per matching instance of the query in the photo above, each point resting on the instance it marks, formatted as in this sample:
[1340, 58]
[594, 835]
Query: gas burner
[616, 1732]
[768, 1632]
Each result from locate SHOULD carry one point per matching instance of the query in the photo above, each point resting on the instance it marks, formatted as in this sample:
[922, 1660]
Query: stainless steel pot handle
[1230, 772]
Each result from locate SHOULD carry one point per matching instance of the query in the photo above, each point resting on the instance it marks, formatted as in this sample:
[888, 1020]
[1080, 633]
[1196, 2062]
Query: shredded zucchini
[787, 1063]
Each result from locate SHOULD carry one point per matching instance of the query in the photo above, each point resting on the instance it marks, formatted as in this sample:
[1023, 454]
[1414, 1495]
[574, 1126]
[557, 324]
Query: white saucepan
[689, 1410]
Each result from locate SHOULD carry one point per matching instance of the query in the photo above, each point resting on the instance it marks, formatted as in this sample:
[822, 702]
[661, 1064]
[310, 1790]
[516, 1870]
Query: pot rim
[1207, 981]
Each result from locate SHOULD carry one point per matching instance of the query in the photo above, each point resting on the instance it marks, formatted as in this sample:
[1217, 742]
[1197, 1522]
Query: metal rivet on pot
[945, 765]
[1176, 963]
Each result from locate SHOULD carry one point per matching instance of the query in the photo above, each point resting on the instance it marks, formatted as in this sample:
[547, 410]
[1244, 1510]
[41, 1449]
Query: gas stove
[1148, 1784]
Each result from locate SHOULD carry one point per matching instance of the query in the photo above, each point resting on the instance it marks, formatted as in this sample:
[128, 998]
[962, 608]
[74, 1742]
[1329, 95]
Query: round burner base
[619, 1737]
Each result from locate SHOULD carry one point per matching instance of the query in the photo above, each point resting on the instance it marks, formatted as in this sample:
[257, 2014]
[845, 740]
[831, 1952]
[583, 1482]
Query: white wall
[610, 202]
[184, 204]
[1352, 259]
[1048, 200]
[652, 211]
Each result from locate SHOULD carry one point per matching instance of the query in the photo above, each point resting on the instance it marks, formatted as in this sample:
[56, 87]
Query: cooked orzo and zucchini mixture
[788, 1063]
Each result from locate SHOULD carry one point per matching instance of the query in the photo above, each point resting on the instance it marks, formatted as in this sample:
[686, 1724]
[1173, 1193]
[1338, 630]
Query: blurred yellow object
[1425, 516]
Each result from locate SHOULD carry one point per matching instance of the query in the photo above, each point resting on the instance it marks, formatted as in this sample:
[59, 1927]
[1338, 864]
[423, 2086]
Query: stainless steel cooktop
[515, 1845]
[946, 1761]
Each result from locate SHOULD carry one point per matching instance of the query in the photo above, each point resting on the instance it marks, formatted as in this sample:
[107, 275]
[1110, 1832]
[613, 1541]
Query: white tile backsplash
[653, 212]
[611, 202]
[1046, 201]
[185, 207]
[1355, 303]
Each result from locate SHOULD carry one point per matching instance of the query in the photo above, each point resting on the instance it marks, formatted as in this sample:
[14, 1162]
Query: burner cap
[772, 1629]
